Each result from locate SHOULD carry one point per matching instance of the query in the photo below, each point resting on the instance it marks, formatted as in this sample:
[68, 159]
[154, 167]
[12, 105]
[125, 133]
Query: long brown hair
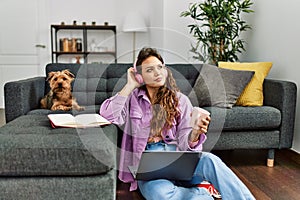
[165, 104]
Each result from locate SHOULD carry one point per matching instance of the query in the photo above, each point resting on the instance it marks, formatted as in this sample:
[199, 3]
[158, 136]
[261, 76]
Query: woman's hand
[203, 124]
[202, 128]
[131, 83]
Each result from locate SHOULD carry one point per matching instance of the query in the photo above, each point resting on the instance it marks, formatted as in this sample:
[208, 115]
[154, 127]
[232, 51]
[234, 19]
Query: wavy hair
[165, 104]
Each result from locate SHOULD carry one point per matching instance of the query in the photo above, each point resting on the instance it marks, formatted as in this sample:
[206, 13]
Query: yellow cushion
[253, 92]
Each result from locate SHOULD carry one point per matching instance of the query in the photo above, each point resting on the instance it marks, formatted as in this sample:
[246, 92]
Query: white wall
[274, 36]
[162, 23]
[101, 11]
[169, 32]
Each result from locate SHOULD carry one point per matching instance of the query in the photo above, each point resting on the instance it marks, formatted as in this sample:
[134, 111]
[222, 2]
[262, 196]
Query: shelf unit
[57, 51]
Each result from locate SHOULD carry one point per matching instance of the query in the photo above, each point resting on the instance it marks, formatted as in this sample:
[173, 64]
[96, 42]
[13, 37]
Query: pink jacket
[133, 115]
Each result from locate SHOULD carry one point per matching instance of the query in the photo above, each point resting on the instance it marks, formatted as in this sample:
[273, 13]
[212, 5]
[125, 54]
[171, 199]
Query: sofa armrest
[22, 96]
[283, 96]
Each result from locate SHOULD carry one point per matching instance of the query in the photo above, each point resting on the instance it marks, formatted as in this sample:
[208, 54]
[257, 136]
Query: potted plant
[217, 29]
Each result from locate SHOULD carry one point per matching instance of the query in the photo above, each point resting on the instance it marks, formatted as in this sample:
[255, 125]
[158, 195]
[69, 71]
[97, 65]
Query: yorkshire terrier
[60, 96]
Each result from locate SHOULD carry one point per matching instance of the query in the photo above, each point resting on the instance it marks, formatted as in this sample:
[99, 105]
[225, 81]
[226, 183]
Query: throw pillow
[219, 87]
[253, 93]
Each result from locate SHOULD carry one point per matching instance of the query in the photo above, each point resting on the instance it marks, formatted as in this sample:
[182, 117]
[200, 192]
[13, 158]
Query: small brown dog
[60, 96]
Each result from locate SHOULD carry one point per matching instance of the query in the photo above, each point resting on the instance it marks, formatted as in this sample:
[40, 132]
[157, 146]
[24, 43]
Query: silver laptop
[171, 165]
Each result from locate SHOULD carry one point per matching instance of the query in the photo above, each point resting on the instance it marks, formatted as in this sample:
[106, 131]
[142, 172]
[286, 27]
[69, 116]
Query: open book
[78, 121]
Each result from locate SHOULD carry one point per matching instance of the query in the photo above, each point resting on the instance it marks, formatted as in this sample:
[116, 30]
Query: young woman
[155, 115]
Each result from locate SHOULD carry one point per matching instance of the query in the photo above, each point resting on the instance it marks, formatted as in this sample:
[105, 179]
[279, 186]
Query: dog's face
[60, 80]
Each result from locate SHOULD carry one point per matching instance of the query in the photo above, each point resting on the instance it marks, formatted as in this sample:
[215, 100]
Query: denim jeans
[160, 146]
[209, 168]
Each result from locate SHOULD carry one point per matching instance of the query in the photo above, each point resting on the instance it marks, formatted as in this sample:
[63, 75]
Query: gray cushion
[241, 118]
[219, 87]
[101, 187]
[29, 146]
[242, 140]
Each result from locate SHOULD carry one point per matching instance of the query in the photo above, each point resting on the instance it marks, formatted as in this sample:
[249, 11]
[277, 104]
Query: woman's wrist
[126, 90]
[194, 136]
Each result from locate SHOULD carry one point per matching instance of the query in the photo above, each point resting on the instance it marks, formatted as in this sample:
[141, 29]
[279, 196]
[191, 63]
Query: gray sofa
[39, 162]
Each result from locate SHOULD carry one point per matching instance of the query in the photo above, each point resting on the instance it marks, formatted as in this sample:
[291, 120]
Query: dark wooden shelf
[88, 27]
[85, 53]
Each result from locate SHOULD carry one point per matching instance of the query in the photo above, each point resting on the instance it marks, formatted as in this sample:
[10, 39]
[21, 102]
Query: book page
[62, 119]
[91, 120]
[79, 121]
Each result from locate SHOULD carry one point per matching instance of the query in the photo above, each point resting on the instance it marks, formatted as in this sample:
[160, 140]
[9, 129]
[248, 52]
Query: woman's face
[154, 72]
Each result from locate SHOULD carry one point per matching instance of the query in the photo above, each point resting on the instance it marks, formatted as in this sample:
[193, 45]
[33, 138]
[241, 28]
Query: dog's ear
[50, 75]
[67, 72]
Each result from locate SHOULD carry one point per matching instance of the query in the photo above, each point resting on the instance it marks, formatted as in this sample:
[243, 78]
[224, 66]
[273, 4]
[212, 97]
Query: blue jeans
[160, 146]
[209, 168]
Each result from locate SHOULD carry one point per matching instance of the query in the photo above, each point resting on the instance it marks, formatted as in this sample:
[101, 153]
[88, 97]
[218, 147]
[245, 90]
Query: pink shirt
[133, 115]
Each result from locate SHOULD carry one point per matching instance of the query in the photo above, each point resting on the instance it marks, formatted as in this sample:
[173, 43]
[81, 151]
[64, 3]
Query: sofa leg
[270, 160]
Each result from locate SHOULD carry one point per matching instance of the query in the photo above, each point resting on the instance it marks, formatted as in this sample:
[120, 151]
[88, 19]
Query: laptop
[171, 165]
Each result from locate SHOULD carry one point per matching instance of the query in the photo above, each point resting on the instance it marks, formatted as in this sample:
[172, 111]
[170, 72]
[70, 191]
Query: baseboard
[294, 150]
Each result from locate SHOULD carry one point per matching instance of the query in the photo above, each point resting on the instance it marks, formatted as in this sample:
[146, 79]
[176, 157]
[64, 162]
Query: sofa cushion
[244, 118]
[243, 140]
[219, 87]
[253, 93]
[29, 146]
[96, 82]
